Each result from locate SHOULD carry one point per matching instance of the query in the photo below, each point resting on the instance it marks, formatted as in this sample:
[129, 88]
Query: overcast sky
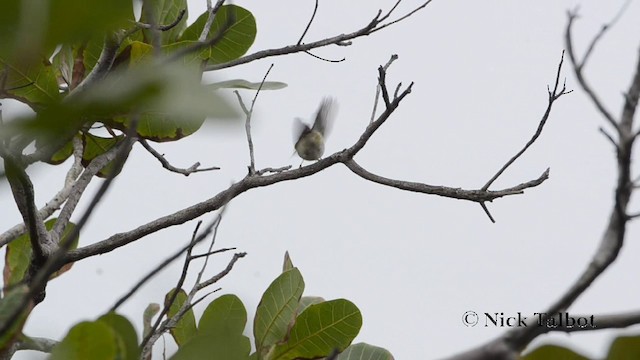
[412, 263]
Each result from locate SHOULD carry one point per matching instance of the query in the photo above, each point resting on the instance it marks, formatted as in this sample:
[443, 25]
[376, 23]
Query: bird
[309, 141]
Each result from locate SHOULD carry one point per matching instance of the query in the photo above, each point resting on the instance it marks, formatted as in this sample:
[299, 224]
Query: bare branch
[247, 123]
[56, 201]
[223, 273]
[479, 196]
[578, 66]
[325, 59]
[553, 96]
[315, 9]
[383, 86]
[402, 17]
[194, 241]
[212, 14]
[393, 58]
[211, 252]
[97, 164]
[163, 27]
[609, 137]
[167, 165]
[24, 196]
[341, 40]
[612, 240]
[41, 274]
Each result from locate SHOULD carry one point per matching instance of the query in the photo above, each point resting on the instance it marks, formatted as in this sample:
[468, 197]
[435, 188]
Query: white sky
[412, 263]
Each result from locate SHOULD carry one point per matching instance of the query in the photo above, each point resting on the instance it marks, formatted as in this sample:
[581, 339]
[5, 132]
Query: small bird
[310, 140]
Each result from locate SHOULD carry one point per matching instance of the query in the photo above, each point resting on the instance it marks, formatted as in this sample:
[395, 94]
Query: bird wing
[299, 129]
[324, 116]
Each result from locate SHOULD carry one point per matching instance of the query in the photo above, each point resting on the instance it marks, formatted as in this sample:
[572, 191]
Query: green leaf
[204, 346]
[12, 300]
[18, 255]
[179, 107]
[240, 26]
[77, 20]
[625, 348]
[277, 309]
[75, 61]
[90, 340]
[33, 83]
[125, 330]
[94, 146]
[307, 301]
[364, 351]
[224, 315]
[149, 312]
[164, 12]
[553, 352]
[185, 329]
[287, 264]
[59, 156]
[244, 84]
[10, 12]
[321, 329]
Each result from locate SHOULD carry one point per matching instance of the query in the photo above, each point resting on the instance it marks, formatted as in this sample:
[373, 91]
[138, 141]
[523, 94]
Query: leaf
[94, 146]
[244, 84]
[178, 109]
[185, 328]
[237, 39]
[125, 330]
[287, 264]
[224, 315]
[18, 255]
[59, 156]
[307, 301]
[277, 309]
[149, 312]
[364, 351]
[164, 12]
[553, 352]
[12, 300]
[321, 329]
[625, 348]
[32, 83]
[76, 20]
[93, 340]
[204, 346]
[10, 12]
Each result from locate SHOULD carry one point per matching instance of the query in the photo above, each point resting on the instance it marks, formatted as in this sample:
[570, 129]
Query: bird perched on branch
[310, 140]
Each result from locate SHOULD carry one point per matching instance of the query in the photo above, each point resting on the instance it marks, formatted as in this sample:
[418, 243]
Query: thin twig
[315, 9]
[223, 273]
[553, 96]
[393, 58]
[167, 27]
[211, 252]
[402, 17]
[217, 37]
[167, 165]
[212, 14]
[247, 123]
[578, 67]
[195, 239]
[342, 40]
[324, 59]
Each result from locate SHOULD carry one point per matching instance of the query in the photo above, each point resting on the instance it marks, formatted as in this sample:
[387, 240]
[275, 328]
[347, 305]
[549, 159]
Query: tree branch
[341, 40]
[167, 165]
[578, 66]
[247, 123]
